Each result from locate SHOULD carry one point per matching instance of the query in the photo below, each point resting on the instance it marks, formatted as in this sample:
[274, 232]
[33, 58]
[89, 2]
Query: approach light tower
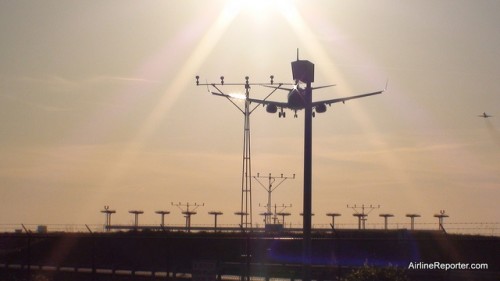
[188, 212]
[386, 217]
[442, 214]
[283, 215]
[215, 214]
[246, 174]
[274, 215]
[136, 214]
[270, 189]
[412, 220]
[162, 214]
[363, 214]
[241, 214]
[107, 212]
[267, 217]
[333, 215]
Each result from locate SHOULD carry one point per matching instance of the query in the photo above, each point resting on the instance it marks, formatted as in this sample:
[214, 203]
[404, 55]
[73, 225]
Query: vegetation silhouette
[371, 273]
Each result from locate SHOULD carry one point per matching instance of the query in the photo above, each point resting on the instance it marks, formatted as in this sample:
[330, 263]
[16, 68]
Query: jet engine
[271, 108]
[320, 108]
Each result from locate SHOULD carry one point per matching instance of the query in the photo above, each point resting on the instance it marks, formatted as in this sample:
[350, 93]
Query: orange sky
[98, 106]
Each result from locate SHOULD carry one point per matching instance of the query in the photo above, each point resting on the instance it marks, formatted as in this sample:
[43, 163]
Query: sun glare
[257, 8]
[259, 4]
[172, 92]
[237, 96]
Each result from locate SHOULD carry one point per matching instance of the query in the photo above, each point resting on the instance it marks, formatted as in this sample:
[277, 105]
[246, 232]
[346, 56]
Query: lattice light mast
[246, 174]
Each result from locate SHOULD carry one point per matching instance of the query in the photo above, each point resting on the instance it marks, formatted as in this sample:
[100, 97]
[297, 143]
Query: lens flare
[238, 96]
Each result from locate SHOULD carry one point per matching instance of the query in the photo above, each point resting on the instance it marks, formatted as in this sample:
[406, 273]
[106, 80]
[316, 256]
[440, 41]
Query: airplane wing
[268, 102]
[343, 100]
[219, 94]
[484, 115]
[291, 89]
[278, 87]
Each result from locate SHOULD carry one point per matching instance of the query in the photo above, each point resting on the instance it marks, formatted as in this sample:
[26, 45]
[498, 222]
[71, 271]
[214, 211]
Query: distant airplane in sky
[484, 115]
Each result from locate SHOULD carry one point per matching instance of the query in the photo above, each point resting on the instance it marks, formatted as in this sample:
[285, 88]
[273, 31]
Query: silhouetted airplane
[295, 100]
[484, 115]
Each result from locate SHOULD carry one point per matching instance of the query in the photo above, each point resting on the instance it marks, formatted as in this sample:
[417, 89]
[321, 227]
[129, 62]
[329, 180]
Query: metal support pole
[412, 220]
[215, 214]
[307, 182]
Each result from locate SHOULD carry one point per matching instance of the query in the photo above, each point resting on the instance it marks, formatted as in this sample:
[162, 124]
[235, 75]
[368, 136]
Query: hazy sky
[98, 106]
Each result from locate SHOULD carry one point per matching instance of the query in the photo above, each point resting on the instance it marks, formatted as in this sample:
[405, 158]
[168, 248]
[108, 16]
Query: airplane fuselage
[296, 99]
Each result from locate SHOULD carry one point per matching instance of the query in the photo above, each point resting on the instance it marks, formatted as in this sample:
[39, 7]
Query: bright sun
[257, 8]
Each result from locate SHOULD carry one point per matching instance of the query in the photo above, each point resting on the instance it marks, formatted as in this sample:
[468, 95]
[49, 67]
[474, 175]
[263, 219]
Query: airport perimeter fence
[467, 228]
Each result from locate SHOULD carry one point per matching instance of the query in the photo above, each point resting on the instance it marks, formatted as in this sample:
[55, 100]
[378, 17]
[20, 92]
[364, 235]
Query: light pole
[215, 214]
[270, 189]
[441, 217]
[107, 212]
[136, 214]
[162, 213]
[386, 216]
[333, 215]
[283, 215]
[363, 214]
[188, 212]
[412, 220]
